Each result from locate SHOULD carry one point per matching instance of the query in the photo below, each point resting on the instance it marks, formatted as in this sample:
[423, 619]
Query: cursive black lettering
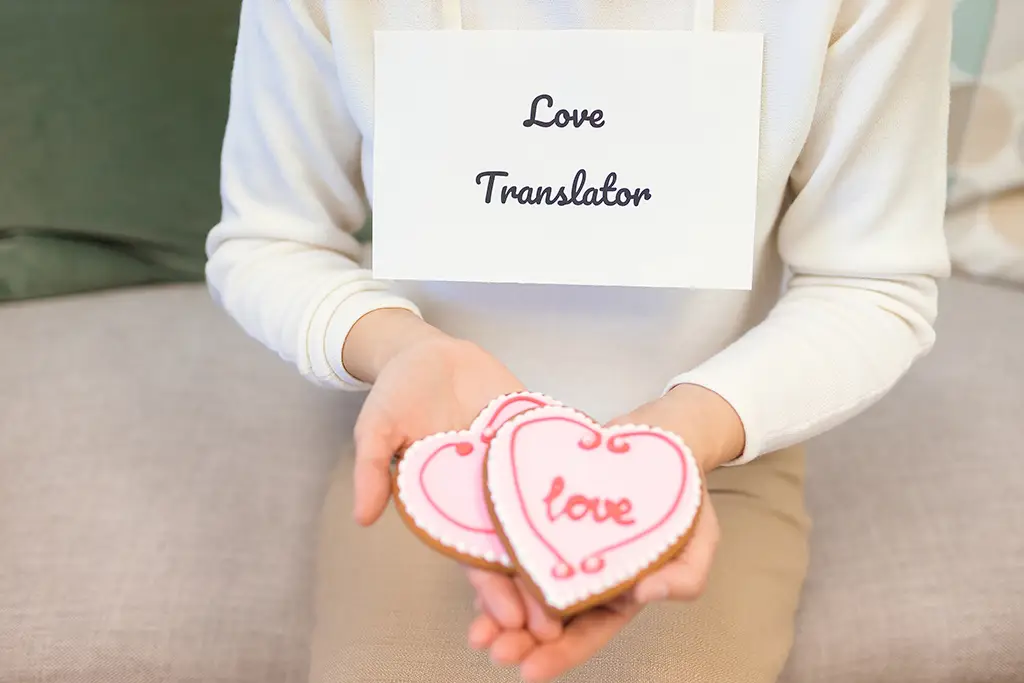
[578, 183]
[563, 118]
[490, 175]
[533, 120]
[609, 188]
[578, 193]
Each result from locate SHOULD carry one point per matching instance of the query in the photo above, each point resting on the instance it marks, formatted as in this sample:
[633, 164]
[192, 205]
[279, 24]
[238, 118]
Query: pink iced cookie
[439, 487]
[586, 510]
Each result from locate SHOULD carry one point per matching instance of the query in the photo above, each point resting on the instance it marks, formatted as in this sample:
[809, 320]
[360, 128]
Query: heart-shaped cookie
[439, 491]
[586, 510]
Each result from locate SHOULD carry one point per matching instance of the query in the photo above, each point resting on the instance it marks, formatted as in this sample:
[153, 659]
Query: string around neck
[451, 15]
[703, 15]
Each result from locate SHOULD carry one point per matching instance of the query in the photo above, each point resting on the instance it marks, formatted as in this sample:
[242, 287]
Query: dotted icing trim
[690, 505]
[476, 427]
[479, 423]
[429, 529]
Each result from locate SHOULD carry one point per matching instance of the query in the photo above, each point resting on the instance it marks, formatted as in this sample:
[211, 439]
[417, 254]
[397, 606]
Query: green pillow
[112, 115]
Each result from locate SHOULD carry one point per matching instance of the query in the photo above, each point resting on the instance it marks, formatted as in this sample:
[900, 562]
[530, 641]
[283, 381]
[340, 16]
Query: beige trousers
[390, 610]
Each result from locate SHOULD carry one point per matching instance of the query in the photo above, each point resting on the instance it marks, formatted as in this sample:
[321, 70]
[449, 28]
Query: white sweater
[848, 245]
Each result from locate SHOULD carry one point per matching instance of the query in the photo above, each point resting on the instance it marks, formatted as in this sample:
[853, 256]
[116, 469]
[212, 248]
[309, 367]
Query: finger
[499, 597]
[511, 647]
[542, 625]
[582, 638]
[686, 577]
[375, 448]
[483, 632]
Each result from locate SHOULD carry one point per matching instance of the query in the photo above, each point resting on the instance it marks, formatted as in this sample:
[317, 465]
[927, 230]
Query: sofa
[161, 476]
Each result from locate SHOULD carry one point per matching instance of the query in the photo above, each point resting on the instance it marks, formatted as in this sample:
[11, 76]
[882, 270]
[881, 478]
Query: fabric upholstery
[917, 560]
[161, 476]
[111, 119]
[160, 481]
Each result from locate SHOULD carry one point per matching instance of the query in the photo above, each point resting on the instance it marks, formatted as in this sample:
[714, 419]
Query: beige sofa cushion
[917, 555]
[161, 476]
[160, 479]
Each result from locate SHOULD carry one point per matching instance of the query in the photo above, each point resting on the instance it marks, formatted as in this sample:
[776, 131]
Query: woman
[850, 199]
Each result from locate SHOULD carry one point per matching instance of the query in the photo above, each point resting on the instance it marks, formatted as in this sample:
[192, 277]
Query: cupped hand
[713, 431]
[509, 642]
[425, 382]
[683, 578]
[541, 660]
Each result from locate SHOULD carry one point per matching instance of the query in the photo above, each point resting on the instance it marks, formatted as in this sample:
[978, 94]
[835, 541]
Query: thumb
[686, 577]
[621, 420]
[375, 448]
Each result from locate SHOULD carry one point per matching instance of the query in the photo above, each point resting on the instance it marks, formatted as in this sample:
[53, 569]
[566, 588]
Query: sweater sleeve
[283, 260]
[862, 239]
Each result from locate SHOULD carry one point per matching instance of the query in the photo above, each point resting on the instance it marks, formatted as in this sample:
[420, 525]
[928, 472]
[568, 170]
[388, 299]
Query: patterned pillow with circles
[985, 218]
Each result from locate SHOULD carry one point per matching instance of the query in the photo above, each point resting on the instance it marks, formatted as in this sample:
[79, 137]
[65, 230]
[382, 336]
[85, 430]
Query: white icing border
[478, 424]
[475, 428]
[689, 504]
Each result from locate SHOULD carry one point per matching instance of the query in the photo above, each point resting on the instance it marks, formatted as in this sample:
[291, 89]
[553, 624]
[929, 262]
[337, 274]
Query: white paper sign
[622, 158]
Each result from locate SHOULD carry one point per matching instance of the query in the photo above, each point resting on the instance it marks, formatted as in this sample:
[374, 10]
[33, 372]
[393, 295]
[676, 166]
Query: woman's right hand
[425, 382]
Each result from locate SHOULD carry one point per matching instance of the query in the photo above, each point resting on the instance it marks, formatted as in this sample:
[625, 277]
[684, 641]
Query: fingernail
[652, 592]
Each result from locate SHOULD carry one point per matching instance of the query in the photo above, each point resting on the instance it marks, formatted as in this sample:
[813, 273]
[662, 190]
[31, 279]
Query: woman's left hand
[714, 433]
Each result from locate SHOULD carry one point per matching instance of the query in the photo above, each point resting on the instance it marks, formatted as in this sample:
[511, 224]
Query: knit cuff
[330, 326]
[733, 388]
